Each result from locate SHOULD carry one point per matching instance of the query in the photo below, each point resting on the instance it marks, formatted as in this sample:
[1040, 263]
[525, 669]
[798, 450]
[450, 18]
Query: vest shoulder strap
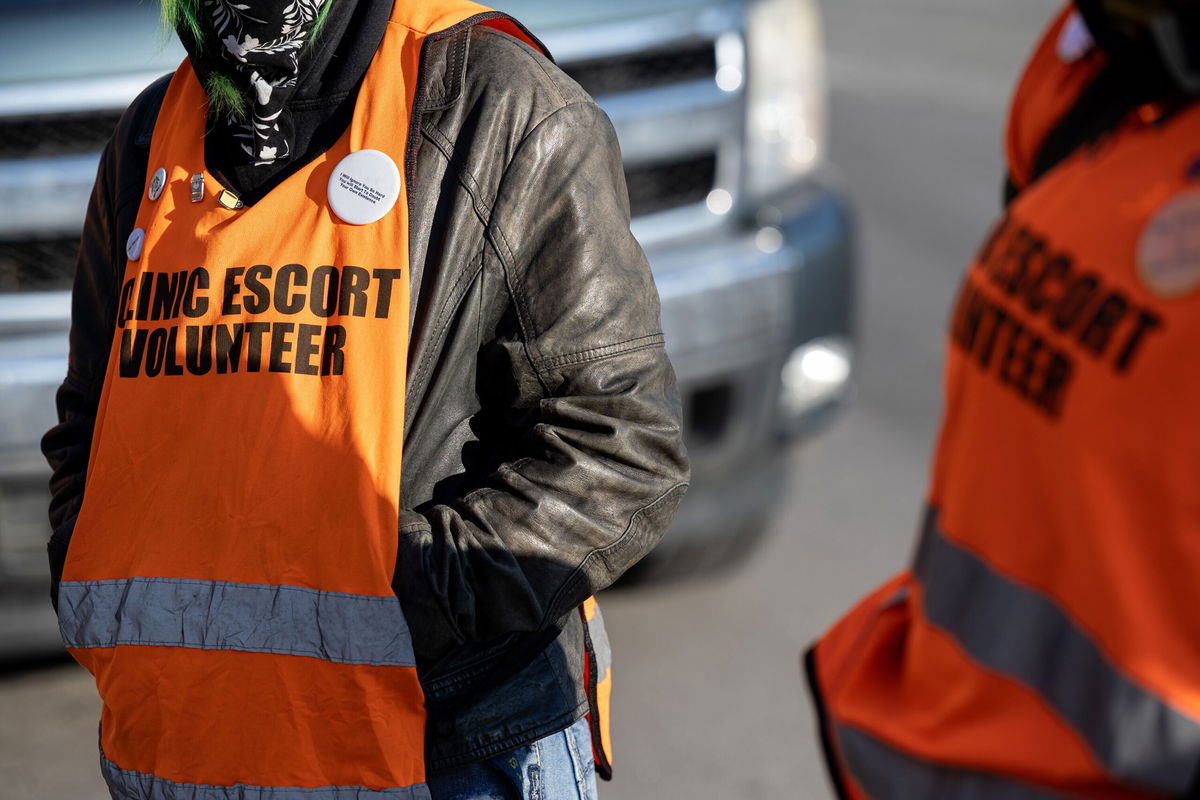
[1068, 99]
[1049, 89]
[135, 133]
[146, 108]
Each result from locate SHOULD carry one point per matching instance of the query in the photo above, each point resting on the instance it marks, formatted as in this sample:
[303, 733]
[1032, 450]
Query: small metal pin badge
[197, 187]
[229, 200]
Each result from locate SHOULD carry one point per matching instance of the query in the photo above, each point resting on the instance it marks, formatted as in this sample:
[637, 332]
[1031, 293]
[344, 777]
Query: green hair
[186, 14]
[176, 14]
[224, 94]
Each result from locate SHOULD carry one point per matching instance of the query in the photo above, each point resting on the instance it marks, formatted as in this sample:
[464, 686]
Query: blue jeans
[558, 767]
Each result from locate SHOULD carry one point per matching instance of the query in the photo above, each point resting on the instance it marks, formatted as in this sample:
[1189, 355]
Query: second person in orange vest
[1044, 642]
[367, 397]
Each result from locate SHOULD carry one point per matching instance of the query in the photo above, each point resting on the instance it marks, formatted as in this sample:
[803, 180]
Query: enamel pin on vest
[363, 187]
[157, 183]
[227, 199]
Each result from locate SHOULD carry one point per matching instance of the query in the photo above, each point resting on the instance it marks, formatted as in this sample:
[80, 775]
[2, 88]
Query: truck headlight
[814, 378]
[785, 93]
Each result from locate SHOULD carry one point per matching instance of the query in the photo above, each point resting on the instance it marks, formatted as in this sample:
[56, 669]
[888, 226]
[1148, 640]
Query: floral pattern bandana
[260, 43]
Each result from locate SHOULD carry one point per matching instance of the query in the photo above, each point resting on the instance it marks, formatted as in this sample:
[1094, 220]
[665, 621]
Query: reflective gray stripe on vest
[218, 615]
[1020, 632]
[887, 774]
[125, 784]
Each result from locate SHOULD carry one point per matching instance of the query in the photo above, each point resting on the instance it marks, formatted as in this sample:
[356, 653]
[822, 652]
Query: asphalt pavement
[709, 700]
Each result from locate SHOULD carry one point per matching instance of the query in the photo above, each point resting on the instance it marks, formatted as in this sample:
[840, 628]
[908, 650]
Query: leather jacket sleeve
[597, 473]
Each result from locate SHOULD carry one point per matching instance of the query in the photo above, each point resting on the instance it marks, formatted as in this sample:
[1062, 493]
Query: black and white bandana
[260, 43]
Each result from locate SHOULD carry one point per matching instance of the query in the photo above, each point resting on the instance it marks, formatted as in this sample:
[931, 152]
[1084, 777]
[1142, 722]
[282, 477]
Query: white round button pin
[364, 186]
[133, 245]
[157, 182]
[1168, 252]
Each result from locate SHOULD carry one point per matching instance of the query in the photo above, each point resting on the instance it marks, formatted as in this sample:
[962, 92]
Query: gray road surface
[709, 700]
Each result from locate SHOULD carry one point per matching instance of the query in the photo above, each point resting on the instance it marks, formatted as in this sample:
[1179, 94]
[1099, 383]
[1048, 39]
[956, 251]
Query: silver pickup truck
[719, 107]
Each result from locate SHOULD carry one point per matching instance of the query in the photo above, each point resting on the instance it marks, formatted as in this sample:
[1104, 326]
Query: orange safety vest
[1045, 642]
[229, 582]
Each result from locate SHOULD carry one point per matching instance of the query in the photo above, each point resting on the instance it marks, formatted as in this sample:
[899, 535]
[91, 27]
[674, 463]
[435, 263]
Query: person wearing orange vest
[1044, 641]
[367, 398]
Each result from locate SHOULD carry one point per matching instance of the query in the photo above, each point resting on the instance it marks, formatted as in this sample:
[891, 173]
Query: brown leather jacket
[542, 452]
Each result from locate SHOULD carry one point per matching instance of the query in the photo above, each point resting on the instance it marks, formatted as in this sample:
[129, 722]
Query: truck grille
[660, 67]
[38, 265]
[56, 134]
[657, 187]
[680, 132]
